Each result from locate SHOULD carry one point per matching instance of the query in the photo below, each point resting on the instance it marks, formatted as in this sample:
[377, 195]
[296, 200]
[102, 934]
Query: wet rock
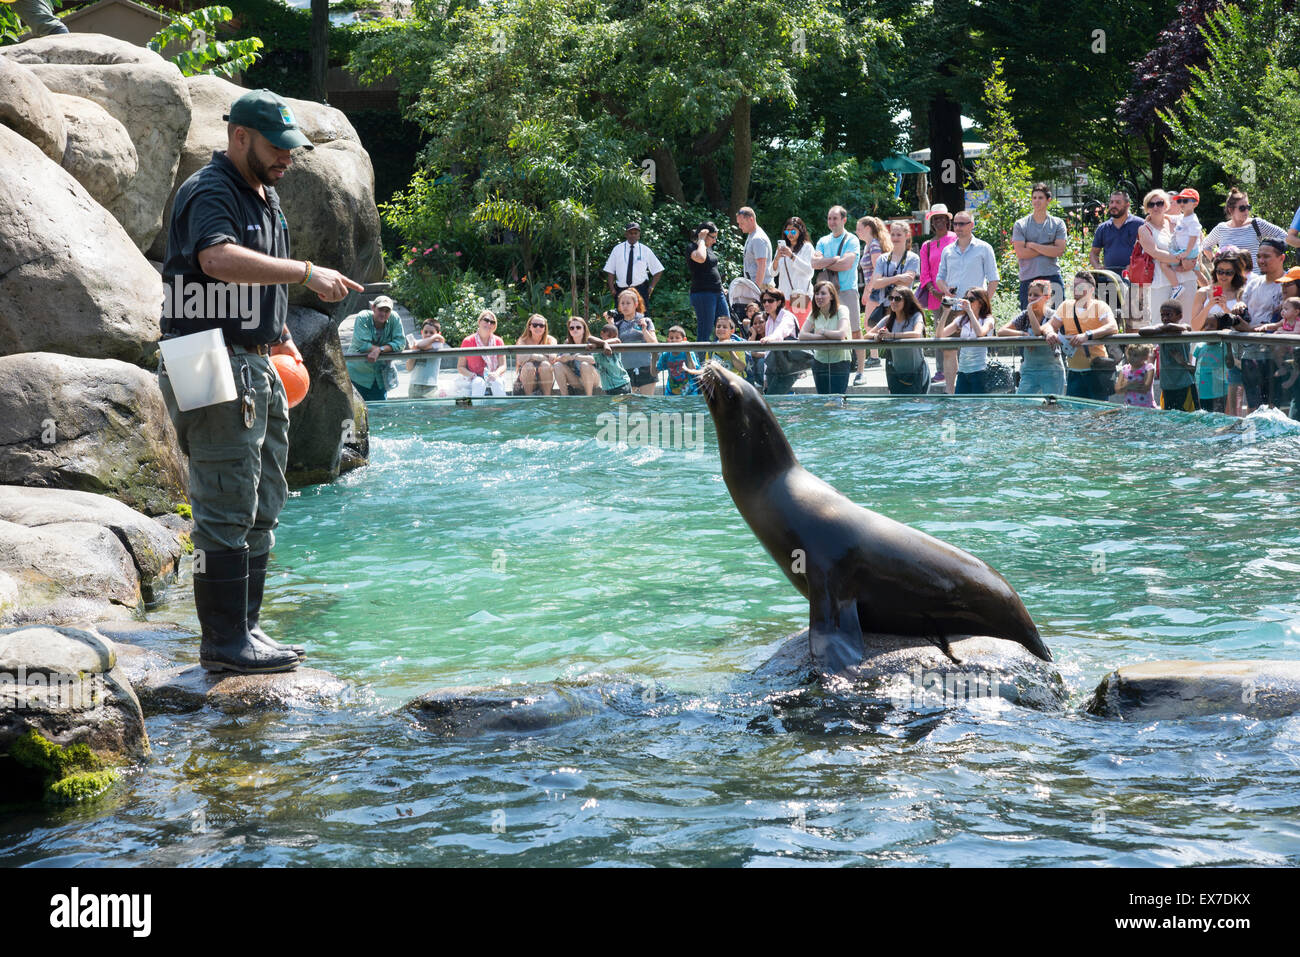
[468, 711]
[190, 688]
[325, 424]
[67, 714]
[30, 110]
[74, 282]
[138, 88]
[66, 573]
[137, 663]
[1157, 690]
[90, 425]
[154, 549]
[908, 672]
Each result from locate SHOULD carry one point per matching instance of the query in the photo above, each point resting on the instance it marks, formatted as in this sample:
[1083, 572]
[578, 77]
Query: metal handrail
[1121, 338]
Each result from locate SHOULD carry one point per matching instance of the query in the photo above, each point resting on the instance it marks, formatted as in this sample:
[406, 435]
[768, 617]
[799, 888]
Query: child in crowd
[1134, 378]
[724, 330]
[1186, 244]
[424, 372]
[1211, 376]
[676, 364]
[1284, 356]
[1177, 370]
[613, 377]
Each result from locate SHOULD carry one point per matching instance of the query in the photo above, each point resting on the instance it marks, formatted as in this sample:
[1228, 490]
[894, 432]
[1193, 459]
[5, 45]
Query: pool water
[516, 541]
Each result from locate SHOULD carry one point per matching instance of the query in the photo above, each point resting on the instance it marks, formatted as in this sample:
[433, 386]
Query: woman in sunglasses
[971, 318]
[792, 261]
[1241, 229]
[535, 371]
[1219, 391]
[575, 370]
[479, 375]
[906, 370]
[778, 324]
[1156, 236]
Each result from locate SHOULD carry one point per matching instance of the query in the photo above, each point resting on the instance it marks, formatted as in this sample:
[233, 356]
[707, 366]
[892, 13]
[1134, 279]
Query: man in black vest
[228, 267]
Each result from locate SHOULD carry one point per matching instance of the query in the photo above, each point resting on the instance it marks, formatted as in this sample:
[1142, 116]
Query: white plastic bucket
[198, 368]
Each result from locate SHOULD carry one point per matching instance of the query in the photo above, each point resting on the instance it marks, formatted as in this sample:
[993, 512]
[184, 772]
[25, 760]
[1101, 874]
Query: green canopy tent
[899, 165]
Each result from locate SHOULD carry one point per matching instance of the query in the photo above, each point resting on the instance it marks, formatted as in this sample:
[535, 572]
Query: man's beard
[260, 170]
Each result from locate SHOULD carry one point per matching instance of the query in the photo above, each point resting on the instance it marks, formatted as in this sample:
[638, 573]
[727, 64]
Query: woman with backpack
[1241, 229]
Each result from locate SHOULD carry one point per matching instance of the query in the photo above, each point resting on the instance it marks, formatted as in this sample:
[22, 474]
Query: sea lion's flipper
[834, 632]
[937, 637]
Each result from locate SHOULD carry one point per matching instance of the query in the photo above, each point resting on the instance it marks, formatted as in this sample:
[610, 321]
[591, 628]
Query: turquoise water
[506, 543]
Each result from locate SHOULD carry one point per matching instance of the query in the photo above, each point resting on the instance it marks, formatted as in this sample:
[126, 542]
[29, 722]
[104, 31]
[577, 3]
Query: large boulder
[68, 716]
[142, 91]
[100, 154]
[328, 195]
[29, 109]
[66, 573]
[190, 688]
[94, 425]
[155, 549]
[327, 420]
[1158, 690]
[913, 674]
[71, 280]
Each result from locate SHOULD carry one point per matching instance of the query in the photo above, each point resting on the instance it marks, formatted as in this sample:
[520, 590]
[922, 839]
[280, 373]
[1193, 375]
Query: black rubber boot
[256, 586]
[220, 597]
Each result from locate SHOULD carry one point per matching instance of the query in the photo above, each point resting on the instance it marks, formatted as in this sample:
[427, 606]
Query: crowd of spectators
[1161, 272]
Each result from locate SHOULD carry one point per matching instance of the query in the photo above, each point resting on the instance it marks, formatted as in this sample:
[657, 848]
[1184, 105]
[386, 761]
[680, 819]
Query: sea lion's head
[750, 440]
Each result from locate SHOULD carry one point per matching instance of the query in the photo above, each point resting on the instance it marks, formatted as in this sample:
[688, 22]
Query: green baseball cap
[265, 112]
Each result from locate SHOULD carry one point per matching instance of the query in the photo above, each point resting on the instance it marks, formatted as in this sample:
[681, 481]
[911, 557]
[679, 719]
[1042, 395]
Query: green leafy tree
[1262, 154]
[558, 188]
[11, 28]
[1245, 46]
[202, 54]
[1004, 172]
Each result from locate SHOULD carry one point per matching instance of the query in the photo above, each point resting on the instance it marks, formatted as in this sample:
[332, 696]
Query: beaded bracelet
[306, 276]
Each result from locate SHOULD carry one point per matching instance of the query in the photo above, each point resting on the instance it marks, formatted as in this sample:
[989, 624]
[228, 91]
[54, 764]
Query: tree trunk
[667, 179]
[946, 149]
[319, 41]
[712, 185]
[573, 277]
[586, 282]
[742, 157]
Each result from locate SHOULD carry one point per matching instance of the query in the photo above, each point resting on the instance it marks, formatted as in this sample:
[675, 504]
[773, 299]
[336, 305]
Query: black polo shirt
[216, 205]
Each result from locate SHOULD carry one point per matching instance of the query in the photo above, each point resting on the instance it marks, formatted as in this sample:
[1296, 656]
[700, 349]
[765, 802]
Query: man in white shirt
[758, 248]
[837, 253]
[1263, 298]
[632, 263]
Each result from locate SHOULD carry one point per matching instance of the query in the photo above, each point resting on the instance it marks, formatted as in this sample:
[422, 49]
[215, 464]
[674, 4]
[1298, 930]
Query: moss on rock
[73, 773]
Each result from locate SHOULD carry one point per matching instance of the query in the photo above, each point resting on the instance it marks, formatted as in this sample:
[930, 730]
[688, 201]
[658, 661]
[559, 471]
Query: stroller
[741, 294]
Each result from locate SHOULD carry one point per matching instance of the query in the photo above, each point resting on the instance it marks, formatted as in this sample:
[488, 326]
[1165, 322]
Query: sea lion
[859, 570]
